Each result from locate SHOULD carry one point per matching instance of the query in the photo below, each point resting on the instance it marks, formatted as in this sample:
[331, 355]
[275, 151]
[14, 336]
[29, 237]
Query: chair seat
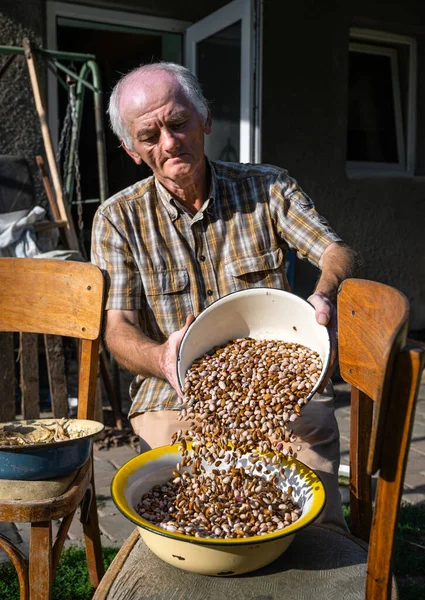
[320, 563]
[12, 489]
[32, 509]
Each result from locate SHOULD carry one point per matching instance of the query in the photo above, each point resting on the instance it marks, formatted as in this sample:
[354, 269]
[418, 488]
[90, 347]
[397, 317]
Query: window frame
[367, 40]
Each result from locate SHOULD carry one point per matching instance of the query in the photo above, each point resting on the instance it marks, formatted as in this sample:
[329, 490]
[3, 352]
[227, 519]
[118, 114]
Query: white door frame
[95, 15]
[238, 10]
[249, 11]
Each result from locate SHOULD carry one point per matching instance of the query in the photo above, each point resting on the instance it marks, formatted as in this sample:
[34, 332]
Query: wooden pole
[48, 146]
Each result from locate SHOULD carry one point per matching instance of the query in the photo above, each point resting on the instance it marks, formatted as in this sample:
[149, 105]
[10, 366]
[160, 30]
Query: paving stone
[116, 529]
[104, 466]
[414, 494]
[107, 508]
[119, 455]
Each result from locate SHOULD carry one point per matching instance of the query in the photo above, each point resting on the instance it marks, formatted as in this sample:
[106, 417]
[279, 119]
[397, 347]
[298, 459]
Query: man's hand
[168, 355]
[325, 309]
[338, 262]
[137, 353]
[326, 316]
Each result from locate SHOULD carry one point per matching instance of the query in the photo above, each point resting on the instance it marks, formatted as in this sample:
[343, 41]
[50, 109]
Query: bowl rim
[48, 421]
[259, 289]
[132, 465]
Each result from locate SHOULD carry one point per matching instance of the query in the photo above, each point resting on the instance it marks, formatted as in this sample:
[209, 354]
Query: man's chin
[178, 170]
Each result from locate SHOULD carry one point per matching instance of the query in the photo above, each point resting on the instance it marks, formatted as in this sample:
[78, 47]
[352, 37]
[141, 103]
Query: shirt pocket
[259, 270]
[168, 299]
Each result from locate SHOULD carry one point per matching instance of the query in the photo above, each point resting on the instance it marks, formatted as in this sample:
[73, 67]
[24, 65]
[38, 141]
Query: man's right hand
[168, 355]
[137, 353]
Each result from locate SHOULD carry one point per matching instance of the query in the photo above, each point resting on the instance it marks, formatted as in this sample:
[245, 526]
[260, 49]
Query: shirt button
[210, 292]
[202, 257]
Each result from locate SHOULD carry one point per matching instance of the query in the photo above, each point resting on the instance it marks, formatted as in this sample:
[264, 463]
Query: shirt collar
[174, 208]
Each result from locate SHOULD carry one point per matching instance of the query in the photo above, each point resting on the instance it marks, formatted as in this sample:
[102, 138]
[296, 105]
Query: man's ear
[208, 124]
[134, 155]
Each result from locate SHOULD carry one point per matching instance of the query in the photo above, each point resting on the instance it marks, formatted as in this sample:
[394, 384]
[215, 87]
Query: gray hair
[186, 79]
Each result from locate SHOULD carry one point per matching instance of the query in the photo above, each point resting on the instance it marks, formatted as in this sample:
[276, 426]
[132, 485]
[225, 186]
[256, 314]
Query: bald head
[139, 86]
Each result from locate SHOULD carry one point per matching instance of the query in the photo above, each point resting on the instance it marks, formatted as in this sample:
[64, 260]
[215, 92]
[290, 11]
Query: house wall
[304, 121]
[19, 128]
[304, 129]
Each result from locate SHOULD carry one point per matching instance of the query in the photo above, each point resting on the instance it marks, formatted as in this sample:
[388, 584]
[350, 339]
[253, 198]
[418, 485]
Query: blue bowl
[42, 461]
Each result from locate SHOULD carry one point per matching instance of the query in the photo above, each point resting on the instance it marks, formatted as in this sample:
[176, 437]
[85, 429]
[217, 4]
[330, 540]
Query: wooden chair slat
[361, 481]
[56, 373]
[7, 380]
[89, 357]
[30, 386]
[58, 308]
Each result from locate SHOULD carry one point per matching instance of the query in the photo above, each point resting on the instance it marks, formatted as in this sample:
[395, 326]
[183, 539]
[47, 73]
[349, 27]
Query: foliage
[71, 581]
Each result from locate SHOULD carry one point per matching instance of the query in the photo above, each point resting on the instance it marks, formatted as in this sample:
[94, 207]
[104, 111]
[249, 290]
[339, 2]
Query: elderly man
[196, 230]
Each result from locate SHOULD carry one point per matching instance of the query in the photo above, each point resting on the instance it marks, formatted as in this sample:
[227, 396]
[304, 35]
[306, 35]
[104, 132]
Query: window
[381, 111]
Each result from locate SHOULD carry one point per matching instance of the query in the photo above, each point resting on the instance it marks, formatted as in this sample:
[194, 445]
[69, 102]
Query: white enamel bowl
[203, 555]
[260, 313]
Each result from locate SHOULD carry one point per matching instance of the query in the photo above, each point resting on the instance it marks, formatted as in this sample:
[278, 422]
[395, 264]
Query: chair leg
[60, 539]
[40, 561]
[94, 553]
[20, 563]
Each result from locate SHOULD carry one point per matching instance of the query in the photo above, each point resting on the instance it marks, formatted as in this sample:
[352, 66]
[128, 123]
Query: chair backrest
[56, 297]
[384, 374]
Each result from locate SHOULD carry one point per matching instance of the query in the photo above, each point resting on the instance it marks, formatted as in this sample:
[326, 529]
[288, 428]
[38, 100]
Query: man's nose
[169, 140]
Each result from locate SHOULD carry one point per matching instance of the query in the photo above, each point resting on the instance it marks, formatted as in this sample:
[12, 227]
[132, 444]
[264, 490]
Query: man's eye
[178, 125]
[149, 139]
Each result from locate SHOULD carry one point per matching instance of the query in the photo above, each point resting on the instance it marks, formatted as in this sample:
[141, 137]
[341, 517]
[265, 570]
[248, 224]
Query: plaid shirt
[166, 263]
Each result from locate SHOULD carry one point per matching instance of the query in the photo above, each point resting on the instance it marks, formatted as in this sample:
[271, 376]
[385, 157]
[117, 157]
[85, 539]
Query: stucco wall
[19, 127]
[304, 129]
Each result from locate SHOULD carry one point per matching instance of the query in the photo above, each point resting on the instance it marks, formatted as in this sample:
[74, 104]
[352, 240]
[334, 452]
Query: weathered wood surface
[372, 329]
[361, 481]
[40, 570]
[67, 302]
[7, 378]
[57, 378]
[30, 510]
[29, 377]
[319, 564]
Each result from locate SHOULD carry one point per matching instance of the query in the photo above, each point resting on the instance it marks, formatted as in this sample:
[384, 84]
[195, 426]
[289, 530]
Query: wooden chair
[65, 299]
[322, 562]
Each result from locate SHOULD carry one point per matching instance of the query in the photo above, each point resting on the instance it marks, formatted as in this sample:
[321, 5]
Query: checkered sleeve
[110, 252]
[297, 221]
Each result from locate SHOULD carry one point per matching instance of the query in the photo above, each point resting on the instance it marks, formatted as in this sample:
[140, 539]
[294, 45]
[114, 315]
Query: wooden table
[320, 564]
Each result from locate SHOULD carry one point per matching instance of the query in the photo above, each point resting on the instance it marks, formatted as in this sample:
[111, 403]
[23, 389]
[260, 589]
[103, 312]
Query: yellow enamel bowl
[203, 555]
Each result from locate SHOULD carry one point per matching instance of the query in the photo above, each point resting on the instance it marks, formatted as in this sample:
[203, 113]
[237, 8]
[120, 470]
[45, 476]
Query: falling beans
[242, 398]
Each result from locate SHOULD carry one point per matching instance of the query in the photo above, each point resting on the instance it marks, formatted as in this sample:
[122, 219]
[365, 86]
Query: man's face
[165, 128]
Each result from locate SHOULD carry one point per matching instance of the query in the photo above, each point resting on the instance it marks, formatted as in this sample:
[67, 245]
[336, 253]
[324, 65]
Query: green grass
[72, 580]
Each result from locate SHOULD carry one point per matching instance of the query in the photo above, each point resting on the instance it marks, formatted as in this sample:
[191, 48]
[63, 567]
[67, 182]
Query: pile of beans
[240, 401]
